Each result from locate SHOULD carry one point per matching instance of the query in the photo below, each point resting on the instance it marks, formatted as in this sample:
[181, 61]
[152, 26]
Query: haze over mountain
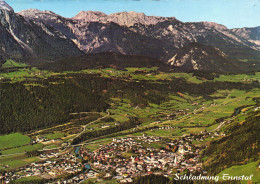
[129, 33]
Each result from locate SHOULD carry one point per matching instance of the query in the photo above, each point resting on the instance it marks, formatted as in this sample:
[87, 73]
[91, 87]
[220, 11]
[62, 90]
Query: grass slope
[11, 64]
[15, 161]
[247, 170]
[55, 136]
[30, 179]
[13, 140]
[22, 149]
[239, 147]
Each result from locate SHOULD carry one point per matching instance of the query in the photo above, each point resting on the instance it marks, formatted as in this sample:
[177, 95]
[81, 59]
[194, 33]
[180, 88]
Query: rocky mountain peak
[131, 14]
[31, 11]
[35, 13]
[196, 56]
[214, 25]
[31, 40]
[131, 18]
[251, 34]
[90, 15]
[121, 18]
[5, 6]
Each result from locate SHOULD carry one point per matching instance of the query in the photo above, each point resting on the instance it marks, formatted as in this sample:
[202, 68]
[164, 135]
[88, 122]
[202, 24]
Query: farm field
[22, 149]
[16, 161]
[13, 140]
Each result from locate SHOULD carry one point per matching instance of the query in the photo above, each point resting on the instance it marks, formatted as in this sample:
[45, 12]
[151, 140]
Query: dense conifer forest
[46, 103]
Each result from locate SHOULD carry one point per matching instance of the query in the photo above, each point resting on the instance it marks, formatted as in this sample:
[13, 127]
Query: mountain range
[38, 36]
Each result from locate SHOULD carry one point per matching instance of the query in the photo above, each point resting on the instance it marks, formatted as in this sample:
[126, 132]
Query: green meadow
[246, 170]
[28, 179]
[11, 64]
[15, 161]
[22, 149]
[13, 140]
[55, 135]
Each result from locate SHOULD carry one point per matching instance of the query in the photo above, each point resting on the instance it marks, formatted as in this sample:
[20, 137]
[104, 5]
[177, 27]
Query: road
[108, 113]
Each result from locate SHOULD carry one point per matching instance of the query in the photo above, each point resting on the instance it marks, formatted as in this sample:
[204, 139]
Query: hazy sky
[231, 13]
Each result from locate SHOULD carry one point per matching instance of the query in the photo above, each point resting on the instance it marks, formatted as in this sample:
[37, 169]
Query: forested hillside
[241, 146]
[46, 102]
[39, 103]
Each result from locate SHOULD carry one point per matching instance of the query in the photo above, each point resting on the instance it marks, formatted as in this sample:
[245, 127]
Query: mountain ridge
[195, 56]
[170, 32]
[31, 41]
[5, 6]
[128, 33]
[121, 18]
[252, 34]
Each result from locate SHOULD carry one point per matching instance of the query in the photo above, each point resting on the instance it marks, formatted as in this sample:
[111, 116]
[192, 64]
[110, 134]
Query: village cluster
[130, 157]
[49, 168]
[123, 159]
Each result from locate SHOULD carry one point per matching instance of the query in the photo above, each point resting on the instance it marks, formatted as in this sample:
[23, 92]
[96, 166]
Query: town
[123, 159]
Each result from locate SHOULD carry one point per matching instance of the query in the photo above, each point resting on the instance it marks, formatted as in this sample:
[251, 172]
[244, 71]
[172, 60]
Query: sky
[231, 13]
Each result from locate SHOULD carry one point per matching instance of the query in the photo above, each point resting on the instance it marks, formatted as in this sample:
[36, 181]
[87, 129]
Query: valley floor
[163, 137]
